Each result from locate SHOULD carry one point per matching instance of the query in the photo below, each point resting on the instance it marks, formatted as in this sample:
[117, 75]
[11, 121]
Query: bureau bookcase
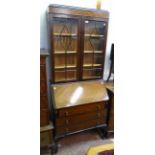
[77, 39]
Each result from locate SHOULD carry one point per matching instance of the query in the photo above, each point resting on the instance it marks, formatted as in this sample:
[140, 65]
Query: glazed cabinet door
[95, 32]
[65, 48]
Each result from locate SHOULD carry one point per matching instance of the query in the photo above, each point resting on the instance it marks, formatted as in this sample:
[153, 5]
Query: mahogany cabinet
[77, 40]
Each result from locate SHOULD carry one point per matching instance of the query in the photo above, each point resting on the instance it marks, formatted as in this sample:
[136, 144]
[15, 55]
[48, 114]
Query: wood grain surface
[72, 94]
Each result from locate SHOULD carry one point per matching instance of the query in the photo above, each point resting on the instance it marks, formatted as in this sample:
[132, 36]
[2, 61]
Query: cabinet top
[77, 93]
[78, 11]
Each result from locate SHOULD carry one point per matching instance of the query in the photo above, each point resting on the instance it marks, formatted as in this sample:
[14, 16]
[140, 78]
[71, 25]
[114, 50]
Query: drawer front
[93, 107]
[43, 88]
[46, 138]
[73, 120]
[42, 60]
[43, 102]
[44, 117]
[73, 128]
[42, 72]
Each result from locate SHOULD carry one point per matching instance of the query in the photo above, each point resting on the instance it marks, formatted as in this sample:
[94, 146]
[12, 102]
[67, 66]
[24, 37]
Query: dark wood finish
[62, 70]
[81, 126]
[43, 102]
[44, 114]
[77, 11]
[111, 113]
[76, 111]
[44, 120]
[110, 118]
[46, 127]
[79, 118]
[77, 41]
[47, 138]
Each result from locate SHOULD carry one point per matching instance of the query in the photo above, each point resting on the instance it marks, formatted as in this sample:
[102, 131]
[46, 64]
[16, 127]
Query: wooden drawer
[81, 109]
[46, 138]
[43, 87]
[43, 102]
[42, 72]
[82, 118]
[44, 120]
[85, 125]
[42, 60]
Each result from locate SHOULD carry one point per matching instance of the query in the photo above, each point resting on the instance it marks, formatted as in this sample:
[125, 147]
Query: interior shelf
[90, 65]
[65, 34]
[94, 35]
[67, 52]
[93, 52]
[62, 67]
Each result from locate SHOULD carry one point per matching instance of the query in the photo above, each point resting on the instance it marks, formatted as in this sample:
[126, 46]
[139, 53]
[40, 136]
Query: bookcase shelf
[94, 35]
[65, 34]
[63, 52]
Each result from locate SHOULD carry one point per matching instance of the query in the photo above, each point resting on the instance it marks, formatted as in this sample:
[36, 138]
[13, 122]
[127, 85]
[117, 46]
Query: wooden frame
[79, 14]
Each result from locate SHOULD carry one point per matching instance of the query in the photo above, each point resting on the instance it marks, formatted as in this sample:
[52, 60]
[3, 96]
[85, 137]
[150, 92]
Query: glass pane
[71, 75]
[93, 44]
[59, 62]
[65, 33]
[92, 73]
[94, 34]
[60, 76]
[95, 28]
[71, 60]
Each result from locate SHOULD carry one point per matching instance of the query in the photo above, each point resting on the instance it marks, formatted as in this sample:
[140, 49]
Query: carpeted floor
[78, 144]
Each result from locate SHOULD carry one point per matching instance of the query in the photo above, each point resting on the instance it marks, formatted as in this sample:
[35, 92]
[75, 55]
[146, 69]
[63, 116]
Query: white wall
[106, 5]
